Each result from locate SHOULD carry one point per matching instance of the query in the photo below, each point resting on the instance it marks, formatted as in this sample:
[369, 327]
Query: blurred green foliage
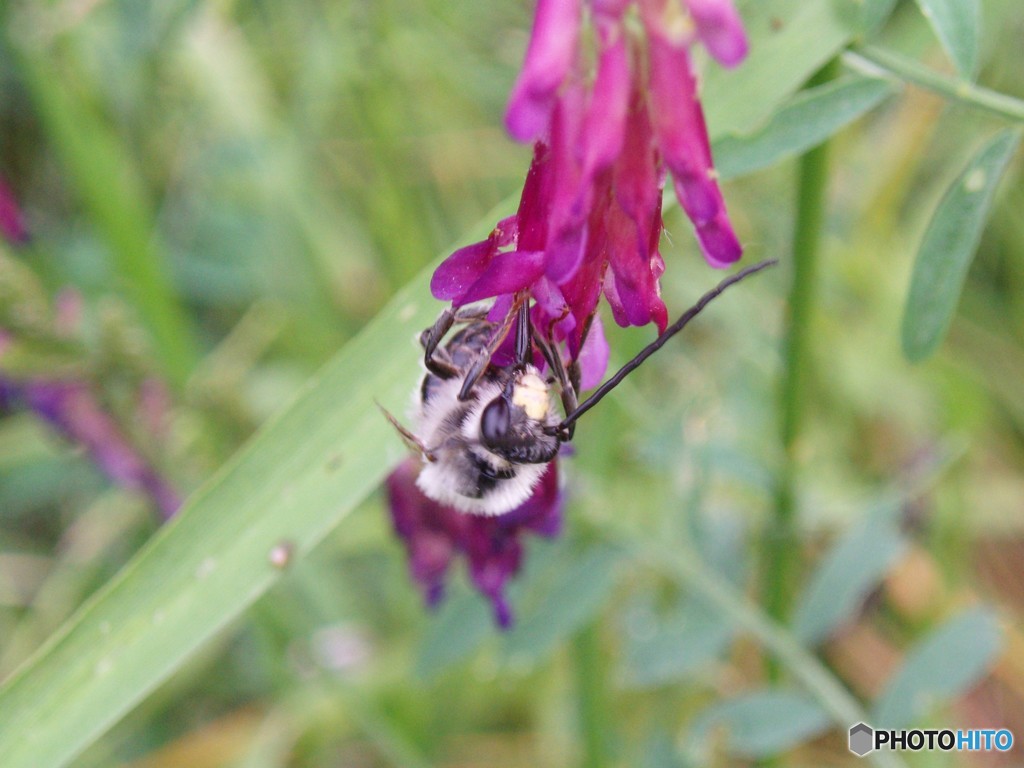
[236, 188]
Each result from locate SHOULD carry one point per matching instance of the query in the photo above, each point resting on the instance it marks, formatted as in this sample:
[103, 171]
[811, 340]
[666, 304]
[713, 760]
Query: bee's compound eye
[495, 421]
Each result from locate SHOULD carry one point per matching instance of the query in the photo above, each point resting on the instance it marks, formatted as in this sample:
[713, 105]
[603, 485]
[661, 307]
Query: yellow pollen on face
[531, 394]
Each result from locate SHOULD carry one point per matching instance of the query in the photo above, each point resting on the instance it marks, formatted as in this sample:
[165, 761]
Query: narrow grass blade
[100, 170]
[948, 246]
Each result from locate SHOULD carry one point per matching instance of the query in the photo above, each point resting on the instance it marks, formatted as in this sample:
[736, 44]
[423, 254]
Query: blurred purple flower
[589, 218]
[12, 221]
[435, 534]
[73, 411]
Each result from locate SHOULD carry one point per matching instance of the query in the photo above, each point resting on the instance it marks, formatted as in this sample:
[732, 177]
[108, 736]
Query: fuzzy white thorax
[454, 448]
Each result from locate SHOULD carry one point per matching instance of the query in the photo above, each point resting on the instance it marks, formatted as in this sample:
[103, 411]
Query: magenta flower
[435, 535]
[589, 219]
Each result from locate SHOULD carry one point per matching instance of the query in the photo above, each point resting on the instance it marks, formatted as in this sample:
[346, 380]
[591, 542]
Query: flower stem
[871, 60]
[782, 555]
[592, 697]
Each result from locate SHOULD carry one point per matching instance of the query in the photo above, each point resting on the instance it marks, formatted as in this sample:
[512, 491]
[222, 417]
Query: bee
[486, 432]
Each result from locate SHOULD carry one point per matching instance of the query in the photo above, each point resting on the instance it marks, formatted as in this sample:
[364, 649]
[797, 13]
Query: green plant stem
[871, 60]
[592, 697]
[693, 574]
[781, 559]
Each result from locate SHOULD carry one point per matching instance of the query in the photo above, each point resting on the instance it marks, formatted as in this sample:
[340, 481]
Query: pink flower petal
[593, 356]
[550, 56]
[462, 269]
[637, 179]
[631, 284]
[532, 216]
[720, 28]
[458, 272]
[679, 127]
[506, 273]
[570, 192]
[718, 242]
[605, 121]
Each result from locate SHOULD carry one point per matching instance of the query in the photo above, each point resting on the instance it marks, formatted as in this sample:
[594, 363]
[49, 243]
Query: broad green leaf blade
[763, 723]
[292, 483]
[806, 121]
[946, 664]
[790, 41]
[850, 570]
[948, 246]
[957, 24]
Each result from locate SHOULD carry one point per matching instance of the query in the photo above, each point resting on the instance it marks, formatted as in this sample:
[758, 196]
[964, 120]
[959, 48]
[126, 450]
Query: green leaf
[850, 570]
[578, 590]
[296, 480]
[957, 24]
[803, 123]
[763, 723]
[806, 121]
[462, 624]
[949, 244]
[683, 647]
[875, 13]
[946, 664]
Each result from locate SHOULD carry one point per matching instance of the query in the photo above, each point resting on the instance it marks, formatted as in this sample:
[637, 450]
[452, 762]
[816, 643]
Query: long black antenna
[659, 342]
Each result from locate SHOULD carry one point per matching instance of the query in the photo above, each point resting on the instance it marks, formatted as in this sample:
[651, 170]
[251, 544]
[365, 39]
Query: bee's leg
[568, 380]
[430, 339]
[434, 356]
[523, 334]
[481, 363]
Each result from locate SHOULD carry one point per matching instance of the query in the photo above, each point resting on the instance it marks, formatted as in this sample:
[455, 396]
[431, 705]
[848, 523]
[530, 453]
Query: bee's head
[514, 424]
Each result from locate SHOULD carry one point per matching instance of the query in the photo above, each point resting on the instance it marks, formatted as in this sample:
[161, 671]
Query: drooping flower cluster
[589, 219]
[608, 96]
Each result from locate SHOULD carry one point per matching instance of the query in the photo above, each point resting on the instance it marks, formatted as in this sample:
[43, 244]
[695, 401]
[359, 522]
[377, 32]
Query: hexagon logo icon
[862, 739]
